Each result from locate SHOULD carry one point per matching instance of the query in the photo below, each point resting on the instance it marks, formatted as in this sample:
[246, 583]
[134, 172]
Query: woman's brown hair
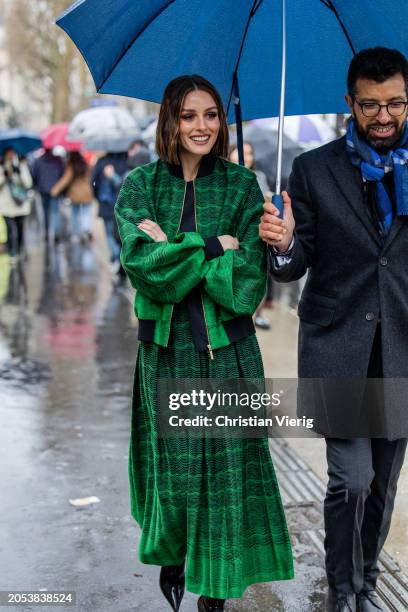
[167, 134]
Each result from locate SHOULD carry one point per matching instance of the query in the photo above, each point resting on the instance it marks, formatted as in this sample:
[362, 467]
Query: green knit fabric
[228, 201]
[213, 501]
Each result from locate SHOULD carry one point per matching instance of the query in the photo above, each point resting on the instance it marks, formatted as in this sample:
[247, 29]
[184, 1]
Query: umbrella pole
[277, 198]
[238, 121]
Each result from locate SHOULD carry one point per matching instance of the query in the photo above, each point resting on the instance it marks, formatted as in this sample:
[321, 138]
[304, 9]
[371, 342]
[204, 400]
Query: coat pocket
[318, 309]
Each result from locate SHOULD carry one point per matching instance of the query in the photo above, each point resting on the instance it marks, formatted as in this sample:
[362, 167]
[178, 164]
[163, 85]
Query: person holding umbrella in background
[46, 172]
[107, 178]
[349, 228]
[76, 184]
[15, 202]
[209, 509]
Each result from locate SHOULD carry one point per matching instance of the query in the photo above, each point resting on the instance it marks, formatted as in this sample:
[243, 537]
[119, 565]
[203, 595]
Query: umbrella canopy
[56, 135]
[135, 48]
[104, 128]
[264, 143]
[21, 141]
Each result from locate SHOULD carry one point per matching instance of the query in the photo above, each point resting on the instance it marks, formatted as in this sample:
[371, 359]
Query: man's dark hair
[377, 64]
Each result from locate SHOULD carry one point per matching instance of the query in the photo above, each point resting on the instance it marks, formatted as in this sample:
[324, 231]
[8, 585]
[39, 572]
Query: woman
[15, 203]
[209, 509]
[249, 158]
[76, 184]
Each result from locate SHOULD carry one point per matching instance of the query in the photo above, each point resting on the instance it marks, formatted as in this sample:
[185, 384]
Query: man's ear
[350, 103]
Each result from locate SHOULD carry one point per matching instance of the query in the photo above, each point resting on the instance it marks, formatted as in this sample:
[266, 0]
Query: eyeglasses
[372, 109]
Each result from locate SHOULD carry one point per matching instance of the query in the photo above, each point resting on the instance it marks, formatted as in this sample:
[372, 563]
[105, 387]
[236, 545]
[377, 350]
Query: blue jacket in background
[107, 190]
[46, 171]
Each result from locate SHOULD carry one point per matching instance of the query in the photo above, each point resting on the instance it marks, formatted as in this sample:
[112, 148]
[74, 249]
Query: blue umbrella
[21, 141]
[244, 47]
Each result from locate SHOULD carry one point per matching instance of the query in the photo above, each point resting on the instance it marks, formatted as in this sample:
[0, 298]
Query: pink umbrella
[56, 135]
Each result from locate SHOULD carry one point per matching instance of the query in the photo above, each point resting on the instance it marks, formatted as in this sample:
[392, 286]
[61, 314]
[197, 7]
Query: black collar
[206, 167]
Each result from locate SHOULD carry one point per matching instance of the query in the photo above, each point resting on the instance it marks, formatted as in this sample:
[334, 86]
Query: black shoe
[172, 580]
[340, 602]
[208, 604]
[368, 601]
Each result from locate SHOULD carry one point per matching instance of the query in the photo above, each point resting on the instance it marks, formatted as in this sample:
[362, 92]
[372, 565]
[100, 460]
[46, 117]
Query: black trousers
[363, 475]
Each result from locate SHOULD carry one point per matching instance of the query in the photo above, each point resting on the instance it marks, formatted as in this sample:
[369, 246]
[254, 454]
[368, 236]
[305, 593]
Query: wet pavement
[67, 354]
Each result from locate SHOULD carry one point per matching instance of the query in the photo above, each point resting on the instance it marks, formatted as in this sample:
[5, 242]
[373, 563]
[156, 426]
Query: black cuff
[213, 248]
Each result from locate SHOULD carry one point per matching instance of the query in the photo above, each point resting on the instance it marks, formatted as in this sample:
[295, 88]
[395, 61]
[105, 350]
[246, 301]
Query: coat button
[383, 261]
[370, 316]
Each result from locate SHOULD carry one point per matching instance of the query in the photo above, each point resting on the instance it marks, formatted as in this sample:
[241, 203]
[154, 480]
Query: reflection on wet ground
[67, 353]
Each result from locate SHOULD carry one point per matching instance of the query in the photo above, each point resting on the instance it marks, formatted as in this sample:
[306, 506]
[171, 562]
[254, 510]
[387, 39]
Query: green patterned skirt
[212, 501]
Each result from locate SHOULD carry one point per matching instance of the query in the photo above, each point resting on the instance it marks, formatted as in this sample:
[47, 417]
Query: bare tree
[53, 70]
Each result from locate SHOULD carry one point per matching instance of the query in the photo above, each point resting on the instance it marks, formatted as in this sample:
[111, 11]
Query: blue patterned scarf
[374, 167]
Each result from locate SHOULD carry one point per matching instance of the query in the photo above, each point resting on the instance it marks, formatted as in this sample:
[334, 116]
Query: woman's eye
[187, 117]
[212, 115]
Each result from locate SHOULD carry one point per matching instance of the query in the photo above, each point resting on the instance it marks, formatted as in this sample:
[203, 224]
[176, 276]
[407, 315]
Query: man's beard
[381, 144]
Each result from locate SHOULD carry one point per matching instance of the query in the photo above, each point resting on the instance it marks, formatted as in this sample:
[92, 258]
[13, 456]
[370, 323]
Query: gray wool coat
[355, 280]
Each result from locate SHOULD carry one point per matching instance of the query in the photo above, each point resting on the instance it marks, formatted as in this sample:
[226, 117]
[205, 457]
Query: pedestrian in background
[138, 154]
[250, 162]
[209, 508]
[15, 202]
[46, 172]
[249, 159]
[75, 184]
[107, 179]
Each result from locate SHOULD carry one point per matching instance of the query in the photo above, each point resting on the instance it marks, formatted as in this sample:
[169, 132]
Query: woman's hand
[153, 230]
[229, 242]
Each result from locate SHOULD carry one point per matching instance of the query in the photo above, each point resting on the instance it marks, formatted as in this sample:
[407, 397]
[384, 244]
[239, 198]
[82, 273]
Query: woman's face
[9, 155]
[248, 155]
[199, 123]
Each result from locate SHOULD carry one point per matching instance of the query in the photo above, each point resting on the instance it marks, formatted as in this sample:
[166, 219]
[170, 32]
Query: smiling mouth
[382, 131]
[200, 139]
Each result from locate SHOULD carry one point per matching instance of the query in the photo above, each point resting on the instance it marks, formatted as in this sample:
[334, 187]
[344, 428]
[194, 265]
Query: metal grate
[300, 487]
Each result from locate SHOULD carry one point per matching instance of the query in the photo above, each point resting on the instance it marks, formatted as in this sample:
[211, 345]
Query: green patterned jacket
[227, 201]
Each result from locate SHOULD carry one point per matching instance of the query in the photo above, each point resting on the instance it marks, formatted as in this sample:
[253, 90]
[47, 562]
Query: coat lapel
[397, 224]
[349, 182]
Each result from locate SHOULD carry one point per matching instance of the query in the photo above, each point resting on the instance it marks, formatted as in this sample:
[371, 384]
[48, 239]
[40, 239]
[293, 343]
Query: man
[138, 154]
[350, 207]
[46, 172]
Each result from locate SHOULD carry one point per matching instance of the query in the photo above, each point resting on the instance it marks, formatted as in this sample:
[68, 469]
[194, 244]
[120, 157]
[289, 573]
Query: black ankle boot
[208, 604]
[172, 581]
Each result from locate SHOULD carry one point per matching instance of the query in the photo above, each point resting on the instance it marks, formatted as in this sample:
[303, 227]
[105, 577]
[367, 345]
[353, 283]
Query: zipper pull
[210, 351]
